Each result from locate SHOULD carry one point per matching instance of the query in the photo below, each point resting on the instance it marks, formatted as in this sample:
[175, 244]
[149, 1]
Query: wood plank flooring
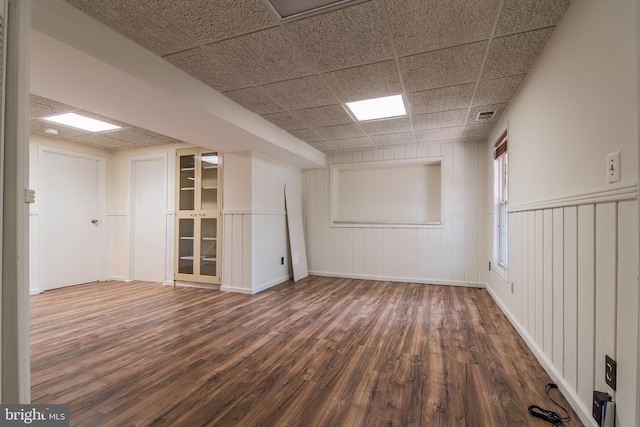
[320, 352]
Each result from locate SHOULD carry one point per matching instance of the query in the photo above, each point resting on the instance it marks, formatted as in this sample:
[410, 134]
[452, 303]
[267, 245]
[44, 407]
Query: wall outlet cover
[610, 372]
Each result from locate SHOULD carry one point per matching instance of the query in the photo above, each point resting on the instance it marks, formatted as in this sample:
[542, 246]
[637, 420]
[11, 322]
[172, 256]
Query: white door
[70, 226]
[149, 220]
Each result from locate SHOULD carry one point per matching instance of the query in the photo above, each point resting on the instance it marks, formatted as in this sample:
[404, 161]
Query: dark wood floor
[321, 352]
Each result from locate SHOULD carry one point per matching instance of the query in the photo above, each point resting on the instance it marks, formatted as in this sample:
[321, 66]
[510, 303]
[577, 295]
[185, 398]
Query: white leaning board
[293, 207]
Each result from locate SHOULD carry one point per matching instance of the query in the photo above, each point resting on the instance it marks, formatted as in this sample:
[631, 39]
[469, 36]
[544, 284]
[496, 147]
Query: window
[501, 179]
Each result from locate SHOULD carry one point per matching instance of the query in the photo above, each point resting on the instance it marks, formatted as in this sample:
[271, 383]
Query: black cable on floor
[550, 416]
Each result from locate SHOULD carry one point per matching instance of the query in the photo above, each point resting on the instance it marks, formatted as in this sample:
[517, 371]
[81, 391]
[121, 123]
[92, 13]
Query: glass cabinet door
[209, 181]
[186, 245]
[187, 189]
[208, 246]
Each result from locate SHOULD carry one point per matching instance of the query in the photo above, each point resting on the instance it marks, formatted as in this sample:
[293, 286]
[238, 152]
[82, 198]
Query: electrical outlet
[610, 371]
[281, 260]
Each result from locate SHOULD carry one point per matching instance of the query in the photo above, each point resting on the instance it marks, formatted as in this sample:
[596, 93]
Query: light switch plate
[613, 167]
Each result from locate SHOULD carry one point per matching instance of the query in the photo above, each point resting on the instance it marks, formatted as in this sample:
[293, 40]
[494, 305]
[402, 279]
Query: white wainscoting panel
[445, 255]
[575, 271]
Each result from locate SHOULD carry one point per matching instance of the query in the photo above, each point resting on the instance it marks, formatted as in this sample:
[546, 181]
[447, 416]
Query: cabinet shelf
[198, 222]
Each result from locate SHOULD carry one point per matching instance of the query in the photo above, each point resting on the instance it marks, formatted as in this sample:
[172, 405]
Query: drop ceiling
[450, 59]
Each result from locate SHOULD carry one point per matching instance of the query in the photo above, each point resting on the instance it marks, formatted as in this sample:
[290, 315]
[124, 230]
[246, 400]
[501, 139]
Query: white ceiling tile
[352, 143]
[328, 115]
[267, 56]
[382, 127]
[350, 130]
[138, 22]
[525, 15]
[347, 37]
[323, 146]
[441, 119]
[203, 64]
[365, 82]
[307, 135]
[215, 20]
[253, 99]
[297, 94]
[511, 55]
[441, 134]
[394, 139]
[497, 91]
[442, 99]
[445, 67]
[421, 26]
[285, 120]
[43, 107]
[477, 130]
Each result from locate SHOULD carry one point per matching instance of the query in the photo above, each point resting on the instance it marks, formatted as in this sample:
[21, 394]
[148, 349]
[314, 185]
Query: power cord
[550, 416]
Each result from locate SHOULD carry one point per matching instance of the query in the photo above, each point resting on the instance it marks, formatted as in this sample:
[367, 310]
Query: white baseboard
[236, 290]
[583, 412]
[35, 291]
[197, 285]
[260, 288]
[402, 279]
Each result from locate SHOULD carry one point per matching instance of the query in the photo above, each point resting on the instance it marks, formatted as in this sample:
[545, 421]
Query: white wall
[573, 238]
[254, 221]
[446, 254]
[119, 220]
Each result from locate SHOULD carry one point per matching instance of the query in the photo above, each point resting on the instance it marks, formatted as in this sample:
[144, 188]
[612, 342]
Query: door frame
[102, 196]
[168, 261]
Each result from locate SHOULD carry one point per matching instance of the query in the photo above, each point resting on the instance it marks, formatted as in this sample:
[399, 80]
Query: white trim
[618, 194]
[253, 212]
[236, 290]
[199, 285]
[463, 283]
[583, 412]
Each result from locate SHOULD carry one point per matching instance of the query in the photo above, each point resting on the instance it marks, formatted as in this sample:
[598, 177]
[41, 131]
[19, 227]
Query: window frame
[501, 176]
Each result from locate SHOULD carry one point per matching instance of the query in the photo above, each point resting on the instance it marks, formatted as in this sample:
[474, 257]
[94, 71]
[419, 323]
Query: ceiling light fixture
[51, 131]
[81, 122]
[377, 108]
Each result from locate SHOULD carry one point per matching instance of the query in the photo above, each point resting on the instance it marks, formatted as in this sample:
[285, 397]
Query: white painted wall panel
[446, 254]
[547, 308]
[558, 290]
[571, 295]
[627, 307]
[586, 301]
[539, 278]
[606, 266]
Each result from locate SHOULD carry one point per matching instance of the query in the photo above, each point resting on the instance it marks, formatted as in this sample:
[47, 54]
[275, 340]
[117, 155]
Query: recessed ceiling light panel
[377, 108]
[81, 122]
[289, 9]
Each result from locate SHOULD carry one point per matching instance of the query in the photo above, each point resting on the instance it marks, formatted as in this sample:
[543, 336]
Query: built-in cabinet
[198, 224]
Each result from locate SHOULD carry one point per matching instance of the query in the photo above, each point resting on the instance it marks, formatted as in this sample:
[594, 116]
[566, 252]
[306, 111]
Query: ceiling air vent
[291, 9]
[484, 116]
